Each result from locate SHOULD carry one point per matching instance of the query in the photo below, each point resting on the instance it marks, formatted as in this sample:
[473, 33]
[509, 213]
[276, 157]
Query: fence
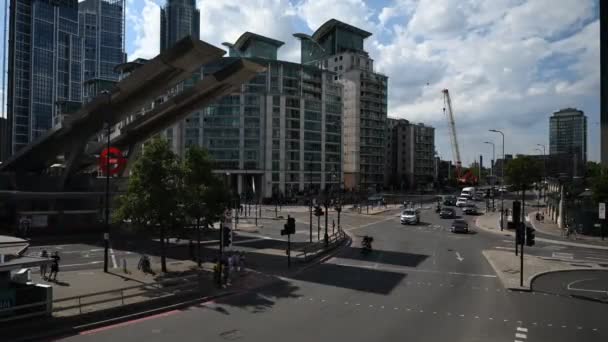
[78, 305]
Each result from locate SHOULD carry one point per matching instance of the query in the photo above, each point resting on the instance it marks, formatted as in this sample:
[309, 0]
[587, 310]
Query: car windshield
[409, 212]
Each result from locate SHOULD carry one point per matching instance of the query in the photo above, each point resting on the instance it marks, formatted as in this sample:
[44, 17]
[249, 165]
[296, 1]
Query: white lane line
[518, 335]
[84, 264]
[113, 257]
[522, 329]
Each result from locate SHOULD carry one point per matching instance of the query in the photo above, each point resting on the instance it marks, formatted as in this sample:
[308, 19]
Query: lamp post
[310, 194]
[502, 176]
[544, 170]
[106, 235]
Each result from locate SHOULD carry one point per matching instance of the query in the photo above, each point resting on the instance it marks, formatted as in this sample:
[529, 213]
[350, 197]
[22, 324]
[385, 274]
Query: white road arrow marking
[459, 257]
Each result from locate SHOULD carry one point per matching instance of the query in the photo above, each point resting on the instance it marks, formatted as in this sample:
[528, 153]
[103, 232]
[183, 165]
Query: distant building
[604, 82]
[339, 47]
[179, 19]
[281, 133]
[411, 148]
[101, 24]
[44, 66]
[568, 138]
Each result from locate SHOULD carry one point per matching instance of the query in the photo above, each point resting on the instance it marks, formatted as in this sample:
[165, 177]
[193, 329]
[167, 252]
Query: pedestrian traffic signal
[530, 236]
[519, 234]
[289, 227]
[516, 213]
[226, 236]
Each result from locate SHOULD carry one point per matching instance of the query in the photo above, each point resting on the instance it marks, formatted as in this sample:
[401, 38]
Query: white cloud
[493, 55]
[146, 26]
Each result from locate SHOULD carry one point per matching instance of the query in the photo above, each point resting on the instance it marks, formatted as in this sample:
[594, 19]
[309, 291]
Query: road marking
[118, 325]
[522, 329]
[518, 335]
[84, 264]
[459, 257]
[567, 256]
[600, 259]
[411, 269]
[569, 287]
[113, 257]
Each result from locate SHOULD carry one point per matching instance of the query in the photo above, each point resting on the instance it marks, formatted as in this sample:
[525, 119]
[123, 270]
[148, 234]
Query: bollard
[124, 265]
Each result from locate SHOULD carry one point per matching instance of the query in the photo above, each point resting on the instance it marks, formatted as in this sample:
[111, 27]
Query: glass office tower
[44, 66]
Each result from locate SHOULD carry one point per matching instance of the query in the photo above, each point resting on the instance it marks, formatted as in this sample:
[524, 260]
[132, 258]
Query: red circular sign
[117, 161]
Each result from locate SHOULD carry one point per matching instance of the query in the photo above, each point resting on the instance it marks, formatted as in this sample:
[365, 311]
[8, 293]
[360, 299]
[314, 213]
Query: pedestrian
[54, 266]
[242, 261]
[43, 267]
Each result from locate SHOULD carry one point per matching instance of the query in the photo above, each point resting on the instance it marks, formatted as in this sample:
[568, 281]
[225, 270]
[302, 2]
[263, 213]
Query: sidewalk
[553, 230]
[490, 222]
[507, 267]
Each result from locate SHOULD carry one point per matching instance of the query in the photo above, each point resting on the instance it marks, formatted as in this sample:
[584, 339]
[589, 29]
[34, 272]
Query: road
[421, 283]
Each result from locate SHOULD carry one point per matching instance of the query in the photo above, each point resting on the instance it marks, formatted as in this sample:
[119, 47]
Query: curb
[533, 277]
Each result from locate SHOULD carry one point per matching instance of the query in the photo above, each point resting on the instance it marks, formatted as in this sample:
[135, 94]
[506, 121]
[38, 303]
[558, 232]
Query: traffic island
[507, 267]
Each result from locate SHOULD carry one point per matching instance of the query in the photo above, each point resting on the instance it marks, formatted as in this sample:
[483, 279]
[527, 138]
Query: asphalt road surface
[421, 283]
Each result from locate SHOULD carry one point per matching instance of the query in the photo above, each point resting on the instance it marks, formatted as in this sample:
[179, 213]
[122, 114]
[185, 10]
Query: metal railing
[117, 297]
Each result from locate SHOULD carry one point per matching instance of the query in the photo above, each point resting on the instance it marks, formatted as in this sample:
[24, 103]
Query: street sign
[117, 161]
[602, 210]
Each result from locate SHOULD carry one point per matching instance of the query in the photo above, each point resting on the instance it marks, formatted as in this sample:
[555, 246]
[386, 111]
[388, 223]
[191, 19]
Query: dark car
[447, 213]
[470, 210]
[460, 226]
[449, 200]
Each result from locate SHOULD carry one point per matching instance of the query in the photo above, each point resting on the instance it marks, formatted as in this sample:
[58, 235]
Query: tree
[152, 198]
[521, 172]
[204, 195]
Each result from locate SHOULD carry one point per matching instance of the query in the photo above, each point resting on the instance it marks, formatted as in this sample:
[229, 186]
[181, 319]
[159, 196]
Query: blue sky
[507, 63]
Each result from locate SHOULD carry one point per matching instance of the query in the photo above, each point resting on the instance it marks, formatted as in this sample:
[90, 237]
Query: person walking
[54, 266]
[43, 267]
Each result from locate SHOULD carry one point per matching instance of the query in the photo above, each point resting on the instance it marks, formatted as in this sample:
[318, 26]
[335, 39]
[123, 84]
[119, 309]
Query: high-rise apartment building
[101, 24]
[338, 47]
[179, 19]
[410, 155]
[568, 133]
[44, 66]
[281, 133]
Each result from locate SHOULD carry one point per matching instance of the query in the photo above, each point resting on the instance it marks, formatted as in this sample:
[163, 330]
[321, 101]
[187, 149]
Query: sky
[508, 64]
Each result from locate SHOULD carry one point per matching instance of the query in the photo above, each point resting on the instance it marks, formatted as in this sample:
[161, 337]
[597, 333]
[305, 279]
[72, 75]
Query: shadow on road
[261, 299]
[351, 277]
[385, 257]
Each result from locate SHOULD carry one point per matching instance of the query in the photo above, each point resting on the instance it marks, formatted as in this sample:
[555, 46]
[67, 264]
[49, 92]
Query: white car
[410, 216]
[462, 201]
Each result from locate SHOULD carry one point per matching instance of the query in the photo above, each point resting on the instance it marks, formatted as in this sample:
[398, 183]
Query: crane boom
[447, 102]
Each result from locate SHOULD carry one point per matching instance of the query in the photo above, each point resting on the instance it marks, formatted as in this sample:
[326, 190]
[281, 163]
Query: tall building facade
[604, 82]
[410, 150]
[568, 134]
[339, 47]
[281, 133]
[179, 19]
[101, 25]
[44, 66]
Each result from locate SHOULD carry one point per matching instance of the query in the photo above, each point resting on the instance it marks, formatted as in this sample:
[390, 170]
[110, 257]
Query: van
[468, 192]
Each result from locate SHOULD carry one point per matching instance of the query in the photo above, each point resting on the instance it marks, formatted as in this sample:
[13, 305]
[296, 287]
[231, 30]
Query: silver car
[410, 216]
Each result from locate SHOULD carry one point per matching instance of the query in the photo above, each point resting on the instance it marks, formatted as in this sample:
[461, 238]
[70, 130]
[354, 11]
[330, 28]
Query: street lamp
[502, 176]
[106, 235]
[544, 167]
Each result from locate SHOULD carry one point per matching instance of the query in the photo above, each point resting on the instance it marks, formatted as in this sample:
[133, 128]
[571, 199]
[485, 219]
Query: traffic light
[516, 213]
[519, 234]
[227, 236]
[530, 236]
[289, 227]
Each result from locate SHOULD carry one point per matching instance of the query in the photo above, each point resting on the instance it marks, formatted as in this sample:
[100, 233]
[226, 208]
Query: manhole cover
[231, 335]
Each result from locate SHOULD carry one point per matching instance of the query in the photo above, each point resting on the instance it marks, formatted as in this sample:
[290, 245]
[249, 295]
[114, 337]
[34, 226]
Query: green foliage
[522, 172]
[152, 200]
[204, 195]
[600, 188]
